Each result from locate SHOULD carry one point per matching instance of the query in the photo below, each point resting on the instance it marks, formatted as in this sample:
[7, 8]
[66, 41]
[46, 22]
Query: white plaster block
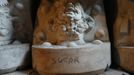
[12, 57]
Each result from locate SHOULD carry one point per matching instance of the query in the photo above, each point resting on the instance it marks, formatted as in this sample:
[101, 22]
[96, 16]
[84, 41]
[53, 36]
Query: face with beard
[64, 19]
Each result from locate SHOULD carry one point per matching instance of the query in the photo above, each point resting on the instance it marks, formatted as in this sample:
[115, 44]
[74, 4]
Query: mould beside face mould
[6, 27]
[15, 35]
[123, 38]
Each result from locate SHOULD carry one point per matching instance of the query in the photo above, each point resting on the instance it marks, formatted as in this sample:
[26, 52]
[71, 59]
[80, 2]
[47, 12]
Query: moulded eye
[75, 28]
[88, 20]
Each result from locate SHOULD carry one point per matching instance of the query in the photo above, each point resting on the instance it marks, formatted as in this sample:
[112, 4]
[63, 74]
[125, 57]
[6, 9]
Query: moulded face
[6, 28]
[68, 25]
[62, 20]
